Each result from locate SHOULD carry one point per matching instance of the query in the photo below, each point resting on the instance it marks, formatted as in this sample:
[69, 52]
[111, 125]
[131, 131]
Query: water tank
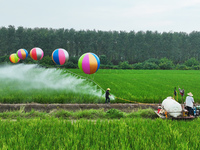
[173, 108]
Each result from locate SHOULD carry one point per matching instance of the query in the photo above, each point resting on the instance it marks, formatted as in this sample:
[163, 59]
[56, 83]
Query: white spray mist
[31, 76]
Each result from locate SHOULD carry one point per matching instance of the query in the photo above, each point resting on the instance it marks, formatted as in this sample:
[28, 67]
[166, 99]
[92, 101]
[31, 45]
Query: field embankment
[74, 107]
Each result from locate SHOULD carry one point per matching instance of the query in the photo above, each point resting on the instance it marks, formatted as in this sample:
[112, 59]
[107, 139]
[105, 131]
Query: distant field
[27, 83]
[147, 85]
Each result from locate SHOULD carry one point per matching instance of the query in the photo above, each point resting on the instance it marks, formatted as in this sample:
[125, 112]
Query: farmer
[189, 103]
[107, 96]
[181, 91]
[175, 92]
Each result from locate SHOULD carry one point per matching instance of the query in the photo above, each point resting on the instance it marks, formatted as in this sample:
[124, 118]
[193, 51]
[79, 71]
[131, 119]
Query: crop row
[52, 133]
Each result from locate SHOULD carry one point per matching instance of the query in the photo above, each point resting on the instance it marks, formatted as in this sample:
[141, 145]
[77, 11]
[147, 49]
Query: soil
[75, 107]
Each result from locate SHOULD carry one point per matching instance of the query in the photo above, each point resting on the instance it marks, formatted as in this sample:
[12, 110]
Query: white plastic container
[173, 108]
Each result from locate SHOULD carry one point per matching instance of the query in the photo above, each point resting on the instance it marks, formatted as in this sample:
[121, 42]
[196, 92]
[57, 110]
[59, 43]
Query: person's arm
[193, 101]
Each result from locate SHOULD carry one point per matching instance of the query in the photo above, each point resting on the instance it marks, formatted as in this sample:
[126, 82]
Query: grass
[145, 86]
[45, 96]
[123, 133]
[82, 114]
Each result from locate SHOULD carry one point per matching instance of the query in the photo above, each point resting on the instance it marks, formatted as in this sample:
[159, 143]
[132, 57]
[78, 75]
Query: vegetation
[136, 133]
[112, 47]
[45, 96]
[81, 114]
[145, 86]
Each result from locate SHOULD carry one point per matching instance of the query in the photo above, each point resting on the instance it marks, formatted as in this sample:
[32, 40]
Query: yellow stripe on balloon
[93, 64]
[23, 54]
[12, 58]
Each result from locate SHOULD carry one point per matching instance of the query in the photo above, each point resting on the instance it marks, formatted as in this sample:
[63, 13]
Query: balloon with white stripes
[36, 53]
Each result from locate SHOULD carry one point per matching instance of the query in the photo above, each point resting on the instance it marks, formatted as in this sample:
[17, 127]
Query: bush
[61, 113]
[74, 59]
[191, 62]
[166, 64]
[47, 60]
[103, 59]
[114, 113]
[4, 58]
[147, 113]
[196, 67]
[108, 67]
[150, 65]
[153, 60]
[138, 66]
[124, 65]
[70, 64]
[181, 67]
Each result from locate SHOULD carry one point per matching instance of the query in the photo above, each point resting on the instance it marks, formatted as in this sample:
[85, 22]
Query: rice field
[29, 83]
[125, 134]
[147, 86]
[94, 129]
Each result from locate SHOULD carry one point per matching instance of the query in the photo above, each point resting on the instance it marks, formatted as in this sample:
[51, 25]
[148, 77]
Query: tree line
[114, 46]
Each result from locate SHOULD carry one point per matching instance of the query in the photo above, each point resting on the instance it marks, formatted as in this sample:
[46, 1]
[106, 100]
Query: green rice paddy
[124, 134]
[43, 85]
[147, 86]
[94, 129]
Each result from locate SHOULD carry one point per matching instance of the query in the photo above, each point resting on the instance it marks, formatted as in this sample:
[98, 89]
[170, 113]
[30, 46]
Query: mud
[74, 107]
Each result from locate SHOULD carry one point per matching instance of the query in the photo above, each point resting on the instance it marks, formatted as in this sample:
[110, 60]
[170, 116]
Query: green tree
[166, 64]
[191, 62]
[124, 65]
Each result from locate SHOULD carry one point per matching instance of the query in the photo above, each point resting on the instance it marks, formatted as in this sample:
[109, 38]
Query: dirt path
[74, 107]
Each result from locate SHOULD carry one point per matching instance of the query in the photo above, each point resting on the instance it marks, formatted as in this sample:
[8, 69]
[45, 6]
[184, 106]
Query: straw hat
[108, 89]
[190, 94]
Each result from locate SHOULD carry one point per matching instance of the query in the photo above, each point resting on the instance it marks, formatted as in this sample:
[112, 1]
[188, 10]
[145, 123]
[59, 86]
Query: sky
[104, 15]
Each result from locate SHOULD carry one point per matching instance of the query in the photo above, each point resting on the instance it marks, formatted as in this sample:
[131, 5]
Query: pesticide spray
[31, 76]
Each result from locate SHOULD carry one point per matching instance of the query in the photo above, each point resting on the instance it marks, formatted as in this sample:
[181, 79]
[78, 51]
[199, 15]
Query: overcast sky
[105, 15]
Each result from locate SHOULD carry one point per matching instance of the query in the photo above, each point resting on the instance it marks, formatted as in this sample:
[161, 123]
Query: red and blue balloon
[60, 56]
[89, 63]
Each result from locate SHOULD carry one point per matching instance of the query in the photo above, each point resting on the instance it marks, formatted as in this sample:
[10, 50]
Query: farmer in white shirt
[189, 103]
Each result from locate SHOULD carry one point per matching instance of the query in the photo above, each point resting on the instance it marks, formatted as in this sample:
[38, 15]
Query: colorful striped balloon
[14, 58]
[89, 63]
[22, 53]
[36, 53]
[60, 56]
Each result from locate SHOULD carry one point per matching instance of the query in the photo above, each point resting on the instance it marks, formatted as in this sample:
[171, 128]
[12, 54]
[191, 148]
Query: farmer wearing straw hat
[107, 95]
[189, 103]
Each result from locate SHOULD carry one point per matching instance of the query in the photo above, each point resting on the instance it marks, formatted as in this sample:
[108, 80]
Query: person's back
[189, 103]
[107, 93]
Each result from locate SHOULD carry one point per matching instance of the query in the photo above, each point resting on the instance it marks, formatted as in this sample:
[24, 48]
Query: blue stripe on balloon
[56, 57]
[98, 60]
[26, 53]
